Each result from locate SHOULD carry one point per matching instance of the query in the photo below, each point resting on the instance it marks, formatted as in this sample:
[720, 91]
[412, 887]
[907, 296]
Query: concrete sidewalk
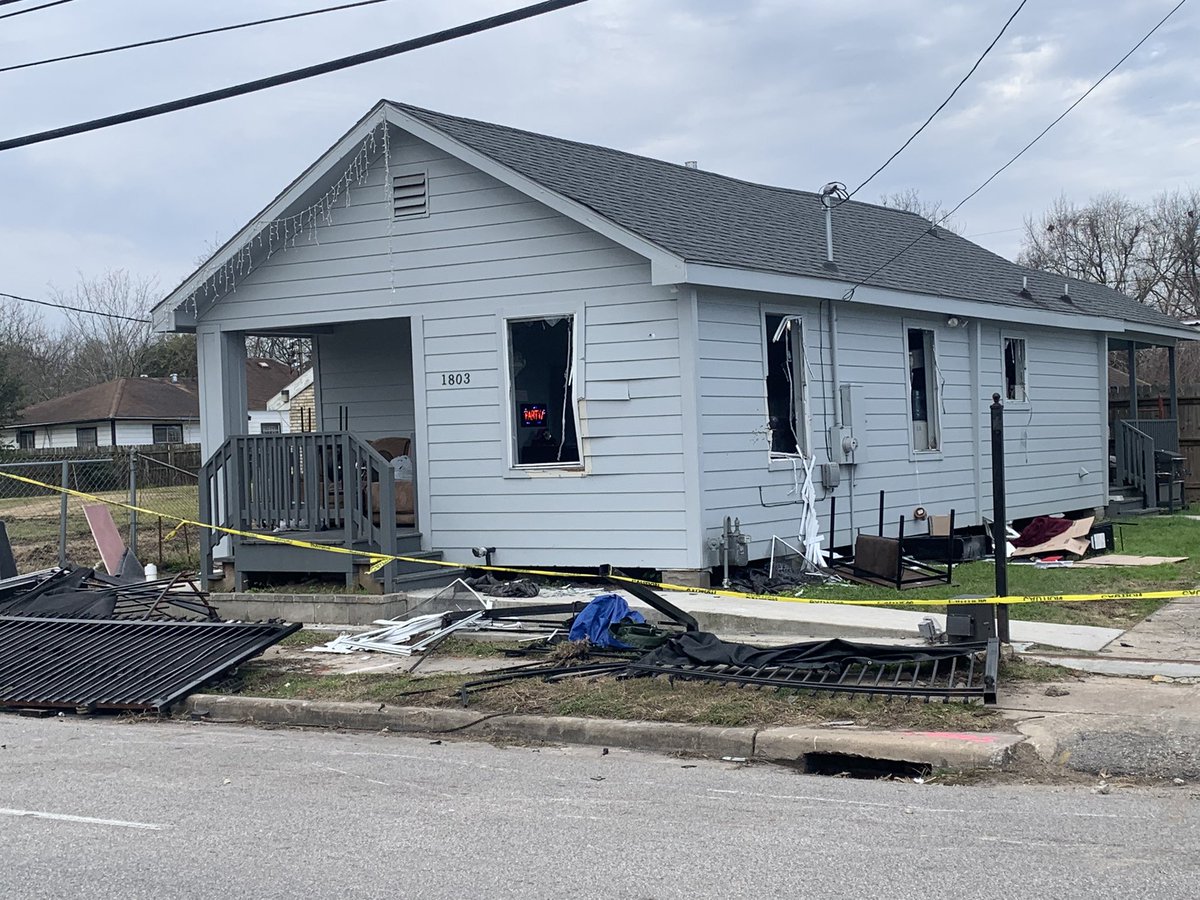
[800, 620]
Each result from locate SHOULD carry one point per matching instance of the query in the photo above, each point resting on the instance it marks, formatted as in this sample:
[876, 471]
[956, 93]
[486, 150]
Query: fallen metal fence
[90, 664]
[955, 673]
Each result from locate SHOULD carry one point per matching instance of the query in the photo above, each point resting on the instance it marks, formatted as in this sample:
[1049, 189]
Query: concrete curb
[942, 750]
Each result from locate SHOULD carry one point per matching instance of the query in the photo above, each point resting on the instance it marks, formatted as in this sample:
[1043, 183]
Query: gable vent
[410, 195]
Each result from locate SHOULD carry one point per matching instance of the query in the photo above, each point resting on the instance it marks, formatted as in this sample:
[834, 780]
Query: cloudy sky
[788, 92]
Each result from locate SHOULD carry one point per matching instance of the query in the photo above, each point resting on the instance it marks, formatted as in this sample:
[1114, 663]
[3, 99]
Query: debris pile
[75, 638]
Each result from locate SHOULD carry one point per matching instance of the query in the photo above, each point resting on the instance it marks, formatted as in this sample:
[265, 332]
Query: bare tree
[1173, 253]
[108, 325]
[1103, 241]
[910, 200]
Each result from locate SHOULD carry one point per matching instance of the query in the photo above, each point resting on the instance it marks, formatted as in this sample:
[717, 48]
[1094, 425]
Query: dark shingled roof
[151, 398]
[704, 217]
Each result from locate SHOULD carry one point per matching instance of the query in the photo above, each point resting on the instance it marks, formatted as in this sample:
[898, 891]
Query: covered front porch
[345, 489]
[1144, 430]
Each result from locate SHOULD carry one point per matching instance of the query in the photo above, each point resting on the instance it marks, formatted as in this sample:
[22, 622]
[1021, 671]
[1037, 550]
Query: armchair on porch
[391, 449]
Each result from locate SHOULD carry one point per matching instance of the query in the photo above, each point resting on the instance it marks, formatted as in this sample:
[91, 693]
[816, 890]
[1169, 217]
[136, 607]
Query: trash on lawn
[1050, 535]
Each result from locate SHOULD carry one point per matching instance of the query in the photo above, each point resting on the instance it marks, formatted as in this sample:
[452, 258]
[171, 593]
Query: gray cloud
[792, 93]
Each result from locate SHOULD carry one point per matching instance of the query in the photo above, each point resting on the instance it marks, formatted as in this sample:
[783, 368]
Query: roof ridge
[640, 156]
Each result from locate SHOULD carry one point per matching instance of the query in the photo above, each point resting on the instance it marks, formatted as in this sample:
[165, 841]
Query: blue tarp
[594, 620]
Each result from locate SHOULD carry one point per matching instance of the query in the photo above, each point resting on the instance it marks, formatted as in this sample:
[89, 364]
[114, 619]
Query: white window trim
[526, 312]
[1024, 402]
[935, 420]
[777, 460]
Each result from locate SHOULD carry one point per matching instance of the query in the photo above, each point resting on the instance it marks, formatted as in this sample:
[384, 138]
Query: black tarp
[699, 648]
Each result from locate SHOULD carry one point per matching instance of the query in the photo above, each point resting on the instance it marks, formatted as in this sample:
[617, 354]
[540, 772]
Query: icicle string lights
[275, 235]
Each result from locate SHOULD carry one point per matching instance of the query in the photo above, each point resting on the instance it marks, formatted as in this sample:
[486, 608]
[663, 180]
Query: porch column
[221, 357]
[1171, 382]
[1133, 398]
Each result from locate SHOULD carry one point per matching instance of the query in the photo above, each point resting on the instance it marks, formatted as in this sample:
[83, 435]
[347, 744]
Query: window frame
[1005, 337]
[81, 429]
[800, 388]
[26, 435]
[157, 425]
[274, 428]
[513, 468]
[933, 404]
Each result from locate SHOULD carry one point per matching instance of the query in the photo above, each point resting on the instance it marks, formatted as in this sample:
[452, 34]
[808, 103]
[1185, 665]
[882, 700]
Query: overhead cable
[76, 309]
[21, 12]
[1041, 134]
[190, 34]
[250, 87]
[941, 106]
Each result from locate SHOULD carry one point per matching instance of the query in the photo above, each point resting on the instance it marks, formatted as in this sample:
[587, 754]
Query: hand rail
[1135, 461]
[307, 481]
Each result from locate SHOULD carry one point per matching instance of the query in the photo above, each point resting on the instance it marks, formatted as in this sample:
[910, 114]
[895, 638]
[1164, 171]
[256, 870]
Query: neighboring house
[298, 402]
[136, 412]
[598, 357]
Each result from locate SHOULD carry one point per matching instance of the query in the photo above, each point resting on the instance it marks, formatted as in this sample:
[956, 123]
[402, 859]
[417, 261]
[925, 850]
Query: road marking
[85, 820]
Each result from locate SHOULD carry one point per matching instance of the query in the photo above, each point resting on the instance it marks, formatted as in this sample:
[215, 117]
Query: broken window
[168, 434]
[541, 368]
[923, 389]
[26, 439]
[787, 412]
[1015, 384]
[85, 437]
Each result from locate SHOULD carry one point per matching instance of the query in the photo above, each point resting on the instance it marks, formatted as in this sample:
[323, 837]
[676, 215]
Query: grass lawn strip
[643, 699]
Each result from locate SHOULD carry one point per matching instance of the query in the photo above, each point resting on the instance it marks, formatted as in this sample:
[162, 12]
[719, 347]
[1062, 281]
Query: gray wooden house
[590, 357]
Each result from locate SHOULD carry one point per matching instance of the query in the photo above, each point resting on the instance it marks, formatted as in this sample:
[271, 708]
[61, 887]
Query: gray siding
[483, 252]
[366, 367]
[1048, 440]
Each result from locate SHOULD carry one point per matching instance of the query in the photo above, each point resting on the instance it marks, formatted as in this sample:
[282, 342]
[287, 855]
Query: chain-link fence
[47, 527]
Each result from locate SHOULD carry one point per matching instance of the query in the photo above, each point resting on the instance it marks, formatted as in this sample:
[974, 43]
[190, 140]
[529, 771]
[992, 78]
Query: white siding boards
[412, 342]
[1054, 443]
[410, 286]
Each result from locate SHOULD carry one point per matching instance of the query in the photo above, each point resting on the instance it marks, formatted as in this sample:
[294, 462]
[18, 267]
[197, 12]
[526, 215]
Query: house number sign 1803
[456, 378]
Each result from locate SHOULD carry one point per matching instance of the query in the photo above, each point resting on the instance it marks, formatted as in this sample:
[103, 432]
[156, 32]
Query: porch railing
[308, 482]
[1135, 457]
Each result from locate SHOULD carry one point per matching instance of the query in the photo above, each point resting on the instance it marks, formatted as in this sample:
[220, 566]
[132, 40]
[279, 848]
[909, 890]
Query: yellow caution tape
[379, 560]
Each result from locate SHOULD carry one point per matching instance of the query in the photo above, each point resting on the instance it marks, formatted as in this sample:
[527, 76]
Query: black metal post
[999, 517]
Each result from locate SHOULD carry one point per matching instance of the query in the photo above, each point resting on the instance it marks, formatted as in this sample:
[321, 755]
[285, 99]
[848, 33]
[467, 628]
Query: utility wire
[942, 106]
[250, 87]
[77, 309]
[21, 12]
[1041, 134]
[190, 34]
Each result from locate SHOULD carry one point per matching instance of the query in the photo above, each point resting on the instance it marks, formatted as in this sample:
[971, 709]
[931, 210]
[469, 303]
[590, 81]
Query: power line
[249, 87]
[77, 309]
[1041, 134]
[190, 34]
[21, 12]
[942, 106]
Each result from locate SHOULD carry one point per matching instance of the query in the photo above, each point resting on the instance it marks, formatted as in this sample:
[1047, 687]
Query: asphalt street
[109, 809]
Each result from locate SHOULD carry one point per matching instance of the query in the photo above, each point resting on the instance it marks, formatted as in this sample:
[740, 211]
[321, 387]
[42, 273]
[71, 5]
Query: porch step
[432, 577]
[1124, 502]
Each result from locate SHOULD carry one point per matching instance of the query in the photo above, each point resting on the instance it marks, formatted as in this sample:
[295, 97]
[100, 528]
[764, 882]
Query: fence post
[62, 514]
[133, 523]
[999, 517]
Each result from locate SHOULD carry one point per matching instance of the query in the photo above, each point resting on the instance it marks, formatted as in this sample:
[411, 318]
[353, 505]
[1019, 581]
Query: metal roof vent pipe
[832, 194]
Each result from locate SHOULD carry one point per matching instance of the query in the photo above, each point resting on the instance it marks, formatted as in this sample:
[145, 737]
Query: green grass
[1148, 536]
[644, 699]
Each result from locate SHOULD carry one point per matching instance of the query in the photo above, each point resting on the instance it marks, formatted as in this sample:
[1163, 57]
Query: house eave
[708, 275]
